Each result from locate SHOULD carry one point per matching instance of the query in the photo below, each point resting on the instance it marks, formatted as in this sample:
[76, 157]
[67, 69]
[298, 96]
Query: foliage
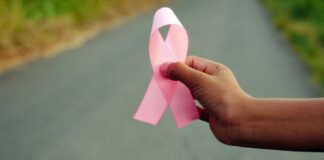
[302, 23]
[32, 25]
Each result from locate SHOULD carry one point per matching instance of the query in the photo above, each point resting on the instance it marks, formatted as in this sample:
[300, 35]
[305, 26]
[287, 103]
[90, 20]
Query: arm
[291, 124]
[235, 118]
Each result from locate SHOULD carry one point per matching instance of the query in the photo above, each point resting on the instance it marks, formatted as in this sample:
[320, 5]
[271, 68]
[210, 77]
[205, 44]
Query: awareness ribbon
[161, 91]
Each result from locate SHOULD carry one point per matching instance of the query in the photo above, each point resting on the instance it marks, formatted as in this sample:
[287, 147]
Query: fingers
[203, 114]
[181, 72]
[203, 65]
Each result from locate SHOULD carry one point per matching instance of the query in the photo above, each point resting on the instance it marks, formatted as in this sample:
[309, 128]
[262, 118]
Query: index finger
[203, 65]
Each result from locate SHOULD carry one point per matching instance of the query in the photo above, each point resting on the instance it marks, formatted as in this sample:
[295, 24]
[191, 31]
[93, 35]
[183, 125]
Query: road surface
[79, 104]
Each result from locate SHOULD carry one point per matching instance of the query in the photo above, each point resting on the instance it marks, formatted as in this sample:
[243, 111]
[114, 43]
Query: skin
[236, 118]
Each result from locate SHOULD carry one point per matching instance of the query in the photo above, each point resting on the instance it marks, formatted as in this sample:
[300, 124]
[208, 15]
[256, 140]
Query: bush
[302, 23]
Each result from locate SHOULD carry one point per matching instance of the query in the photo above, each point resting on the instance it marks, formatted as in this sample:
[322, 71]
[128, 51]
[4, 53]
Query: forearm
[288, 124]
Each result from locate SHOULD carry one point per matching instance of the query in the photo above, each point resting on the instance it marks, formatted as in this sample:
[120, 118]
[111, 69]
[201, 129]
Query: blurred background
[79, 104]
[30, 29]
[302, 23]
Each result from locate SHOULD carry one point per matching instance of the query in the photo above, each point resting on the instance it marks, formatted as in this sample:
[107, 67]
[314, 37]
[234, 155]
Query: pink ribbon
[162, 91]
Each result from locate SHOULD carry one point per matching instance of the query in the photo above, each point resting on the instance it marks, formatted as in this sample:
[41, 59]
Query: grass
[30, 26]
[302, 23]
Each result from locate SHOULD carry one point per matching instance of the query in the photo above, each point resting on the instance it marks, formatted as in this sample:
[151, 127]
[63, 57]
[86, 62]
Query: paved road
[79, 104]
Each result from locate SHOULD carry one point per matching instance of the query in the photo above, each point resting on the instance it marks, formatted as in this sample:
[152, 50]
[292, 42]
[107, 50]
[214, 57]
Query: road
[79, 104]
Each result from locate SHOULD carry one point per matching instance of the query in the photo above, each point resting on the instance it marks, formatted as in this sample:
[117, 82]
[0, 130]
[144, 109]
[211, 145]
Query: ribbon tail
[183, 106]
[152, 106]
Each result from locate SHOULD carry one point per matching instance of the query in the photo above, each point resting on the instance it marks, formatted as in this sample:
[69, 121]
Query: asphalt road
[79, 104]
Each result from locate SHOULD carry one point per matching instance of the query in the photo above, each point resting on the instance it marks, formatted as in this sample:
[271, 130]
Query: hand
[215, 87]
[235, 118]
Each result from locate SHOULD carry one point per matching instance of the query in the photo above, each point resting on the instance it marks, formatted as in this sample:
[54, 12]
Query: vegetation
[29, 26]
[302, 23]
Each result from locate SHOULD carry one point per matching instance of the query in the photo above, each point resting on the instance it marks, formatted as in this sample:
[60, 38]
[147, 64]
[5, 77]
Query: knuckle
[213, 69]
[173, 67]
[224, 67]
[219, 67]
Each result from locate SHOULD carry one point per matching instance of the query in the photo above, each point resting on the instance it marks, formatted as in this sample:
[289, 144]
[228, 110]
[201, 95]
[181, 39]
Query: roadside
[79, 105]
[302, 24]
[33, 29]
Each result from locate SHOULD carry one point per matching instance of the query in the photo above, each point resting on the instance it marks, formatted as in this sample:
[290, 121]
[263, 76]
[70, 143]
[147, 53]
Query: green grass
[78, 10]
[27, 26]
[25, 21]
[302, 23]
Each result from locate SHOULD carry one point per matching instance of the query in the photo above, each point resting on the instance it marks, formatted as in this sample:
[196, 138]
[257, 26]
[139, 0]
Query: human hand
[217, 90]
[235, 118]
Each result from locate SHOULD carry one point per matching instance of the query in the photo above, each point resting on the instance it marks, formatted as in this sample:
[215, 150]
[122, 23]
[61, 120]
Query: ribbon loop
[162, 91]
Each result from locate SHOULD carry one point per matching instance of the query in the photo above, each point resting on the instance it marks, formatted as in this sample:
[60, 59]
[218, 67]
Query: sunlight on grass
[28, 24]
[28, 28]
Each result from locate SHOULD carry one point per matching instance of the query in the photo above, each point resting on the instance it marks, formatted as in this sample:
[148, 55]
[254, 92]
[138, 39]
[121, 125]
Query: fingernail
[164, 69]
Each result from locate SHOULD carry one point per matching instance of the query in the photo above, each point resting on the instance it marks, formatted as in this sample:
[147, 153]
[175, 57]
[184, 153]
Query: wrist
[242, 131]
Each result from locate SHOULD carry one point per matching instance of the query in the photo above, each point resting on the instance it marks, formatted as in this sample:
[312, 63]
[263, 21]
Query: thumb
[181, 72]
